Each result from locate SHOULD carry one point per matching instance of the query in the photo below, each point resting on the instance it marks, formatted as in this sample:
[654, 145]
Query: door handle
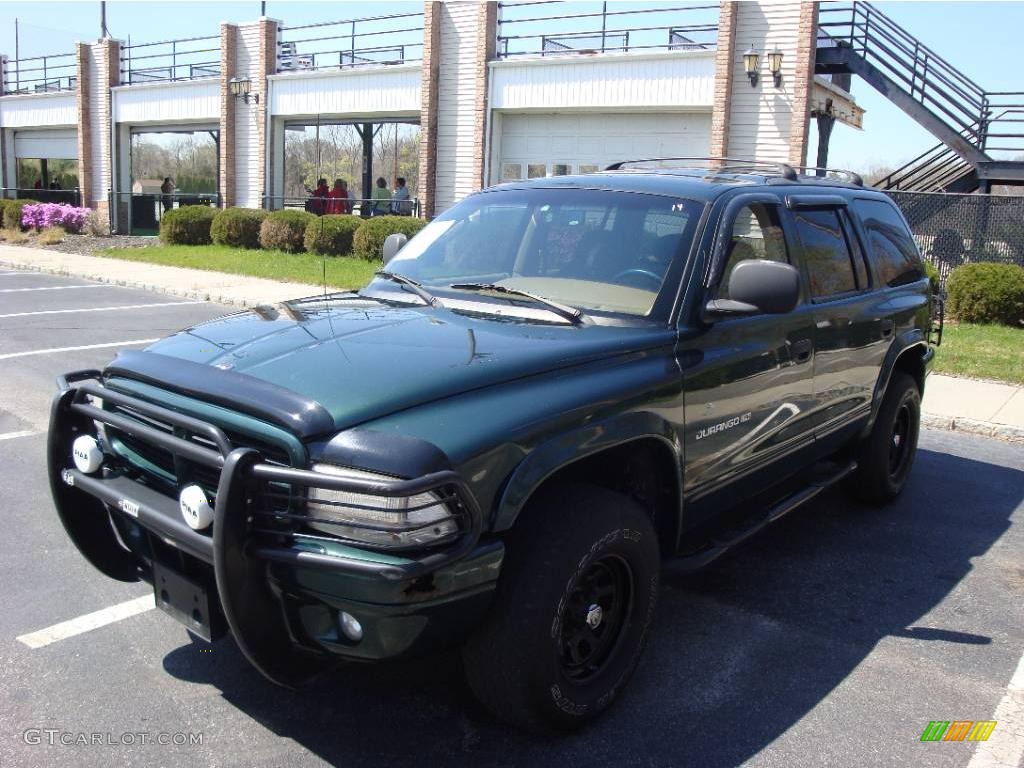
[887, 328]
[802, 350]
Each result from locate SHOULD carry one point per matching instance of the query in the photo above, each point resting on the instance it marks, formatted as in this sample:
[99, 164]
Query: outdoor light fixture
[242, 88]
[750, 61]
[775, 66]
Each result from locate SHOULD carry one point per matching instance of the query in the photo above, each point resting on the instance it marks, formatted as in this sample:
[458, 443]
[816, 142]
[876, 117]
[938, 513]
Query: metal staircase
[977, 129]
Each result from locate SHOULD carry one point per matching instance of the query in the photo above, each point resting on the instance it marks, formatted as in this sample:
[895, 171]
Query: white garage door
[52, 144]
[533, 146]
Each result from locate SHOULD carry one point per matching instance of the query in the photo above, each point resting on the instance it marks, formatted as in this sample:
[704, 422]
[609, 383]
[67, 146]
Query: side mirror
[393, 244]
[759, 286]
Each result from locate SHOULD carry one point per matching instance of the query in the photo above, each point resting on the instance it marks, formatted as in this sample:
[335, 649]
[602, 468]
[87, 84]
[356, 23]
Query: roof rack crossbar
[779, 169]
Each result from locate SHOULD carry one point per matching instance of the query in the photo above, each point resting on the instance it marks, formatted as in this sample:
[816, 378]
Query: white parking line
[1005, 747]
[22, 433]
[90, 621]
[54, 288]
[9, 355]
[100, 309]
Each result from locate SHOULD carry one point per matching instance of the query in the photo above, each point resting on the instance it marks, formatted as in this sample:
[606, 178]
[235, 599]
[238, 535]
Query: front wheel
[887, 454]
[572, 610]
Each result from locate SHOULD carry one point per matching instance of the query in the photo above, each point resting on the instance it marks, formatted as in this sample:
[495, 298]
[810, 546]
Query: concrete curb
[973, 426]
[200, 295]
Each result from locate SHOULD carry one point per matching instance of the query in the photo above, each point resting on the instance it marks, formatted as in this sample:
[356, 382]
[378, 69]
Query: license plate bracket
[188, 602]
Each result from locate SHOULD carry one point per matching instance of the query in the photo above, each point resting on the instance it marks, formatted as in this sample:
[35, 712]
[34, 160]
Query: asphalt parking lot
[833, 638]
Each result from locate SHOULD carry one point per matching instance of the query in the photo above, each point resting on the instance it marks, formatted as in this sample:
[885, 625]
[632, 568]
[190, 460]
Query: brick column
[428, 105]
[110, 76]
[803, 81]
[99, 69]
[267, 66]
[487, 39]
[723, 79]
[226, 161]
[82, 82]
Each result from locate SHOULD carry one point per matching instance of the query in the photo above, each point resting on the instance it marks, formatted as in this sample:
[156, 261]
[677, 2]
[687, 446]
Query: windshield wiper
[572, 314]
[412, 285]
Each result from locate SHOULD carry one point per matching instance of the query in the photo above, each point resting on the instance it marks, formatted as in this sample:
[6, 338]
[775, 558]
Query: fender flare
[904, 343]
[575, 445]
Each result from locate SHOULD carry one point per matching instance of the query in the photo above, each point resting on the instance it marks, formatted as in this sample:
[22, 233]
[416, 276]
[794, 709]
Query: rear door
[747, 380]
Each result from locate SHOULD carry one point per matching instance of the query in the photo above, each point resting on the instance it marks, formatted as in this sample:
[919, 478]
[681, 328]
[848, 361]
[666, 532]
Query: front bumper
[279, 590]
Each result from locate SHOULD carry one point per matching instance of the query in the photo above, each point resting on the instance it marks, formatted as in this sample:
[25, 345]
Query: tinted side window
[826, 252]
[894, 256]
[756, 234]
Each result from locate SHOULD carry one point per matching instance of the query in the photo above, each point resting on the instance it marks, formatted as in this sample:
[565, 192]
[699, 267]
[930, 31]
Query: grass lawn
[342, 271]
[982, 352]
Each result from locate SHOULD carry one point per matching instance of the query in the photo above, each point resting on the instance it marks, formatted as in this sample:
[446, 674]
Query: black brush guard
[254, 613]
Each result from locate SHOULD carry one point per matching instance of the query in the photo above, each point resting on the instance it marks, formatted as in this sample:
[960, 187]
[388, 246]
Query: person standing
[401, 204]
[381, 198]
[167, 193]
[346, 198]
[337, 197]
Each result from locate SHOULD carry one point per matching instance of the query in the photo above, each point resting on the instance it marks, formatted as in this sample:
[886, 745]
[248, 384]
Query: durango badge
[195, 507]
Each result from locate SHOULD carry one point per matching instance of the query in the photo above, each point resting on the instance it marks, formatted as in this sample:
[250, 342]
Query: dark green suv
[553, 387]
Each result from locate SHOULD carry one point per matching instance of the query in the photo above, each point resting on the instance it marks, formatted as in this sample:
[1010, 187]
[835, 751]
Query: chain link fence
[954, 229]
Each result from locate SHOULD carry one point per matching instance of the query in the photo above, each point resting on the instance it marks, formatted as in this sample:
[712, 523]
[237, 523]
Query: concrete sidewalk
[968, 405]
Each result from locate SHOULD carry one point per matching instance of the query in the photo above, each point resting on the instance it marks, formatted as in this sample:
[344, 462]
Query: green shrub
[332, 235]
[987, 293]
[12, 212]
[933, 277]
[187, 226]
[285, 230]
[369, 238]
[238, 227]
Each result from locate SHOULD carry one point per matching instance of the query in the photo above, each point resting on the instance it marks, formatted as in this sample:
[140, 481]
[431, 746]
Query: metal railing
[65, 196]
[989, 120]
[372, 41]
[139, 213]
[356, 206]
[41, 74]
[190, 58]
[524, 28]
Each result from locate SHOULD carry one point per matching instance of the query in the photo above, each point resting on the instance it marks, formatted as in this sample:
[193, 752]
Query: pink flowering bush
[45, 215]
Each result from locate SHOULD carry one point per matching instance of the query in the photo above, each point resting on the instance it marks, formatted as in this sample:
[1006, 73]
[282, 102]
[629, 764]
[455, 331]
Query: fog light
[195, 507]
[87, 454]
[350, 626]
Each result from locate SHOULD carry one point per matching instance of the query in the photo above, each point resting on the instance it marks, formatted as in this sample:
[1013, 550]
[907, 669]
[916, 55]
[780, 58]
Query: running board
[719, 545]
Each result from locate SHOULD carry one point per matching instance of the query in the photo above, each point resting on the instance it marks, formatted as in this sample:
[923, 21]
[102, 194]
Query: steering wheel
[647, 274]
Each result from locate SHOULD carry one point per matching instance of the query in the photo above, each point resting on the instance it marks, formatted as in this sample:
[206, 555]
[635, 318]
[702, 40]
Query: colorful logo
[958, 730]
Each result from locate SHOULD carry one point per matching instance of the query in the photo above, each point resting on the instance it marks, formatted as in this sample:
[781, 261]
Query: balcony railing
[190, 58]
[553, 28]
[373, 41]
[41, 74]
[356, 206]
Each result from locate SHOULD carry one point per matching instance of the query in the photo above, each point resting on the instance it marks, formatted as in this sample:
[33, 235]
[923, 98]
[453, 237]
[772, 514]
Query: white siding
[592, 139]
[456, 103]
[187, 101]
[37, 110]
[51, 143]
[99, 122]
[393, 90]
[761, 118]
[247, 154]
[671, 79]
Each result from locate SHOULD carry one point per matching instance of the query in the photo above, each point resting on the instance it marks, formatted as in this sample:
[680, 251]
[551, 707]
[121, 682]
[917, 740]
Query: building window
[561, 169]
[536, 171]
[588, 168]
[511, 171]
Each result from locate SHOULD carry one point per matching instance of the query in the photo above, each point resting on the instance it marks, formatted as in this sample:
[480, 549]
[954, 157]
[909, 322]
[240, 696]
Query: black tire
[885, 457]
[545, 659]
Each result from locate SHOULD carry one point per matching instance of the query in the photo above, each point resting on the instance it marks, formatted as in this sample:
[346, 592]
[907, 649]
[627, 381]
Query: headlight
[389, 522]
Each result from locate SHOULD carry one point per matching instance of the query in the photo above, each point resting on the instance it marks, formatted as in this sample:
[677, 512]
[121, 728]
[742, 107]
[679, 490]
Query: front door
[748, 380]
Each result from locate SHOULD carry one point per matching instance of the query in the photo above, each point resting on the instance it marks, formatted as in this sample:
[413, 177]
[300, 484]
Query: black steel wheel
[591, 623]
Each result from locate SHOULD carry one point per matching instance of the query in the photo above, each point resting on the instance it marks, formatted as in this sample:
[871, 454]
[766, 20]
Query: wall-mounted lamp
[242, 89]
[751, 60]
[775, 66]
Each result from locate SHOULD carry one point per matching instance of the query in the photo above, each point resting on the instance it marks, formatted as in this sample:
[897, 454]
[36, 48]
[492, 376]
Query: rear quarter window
[892, 252]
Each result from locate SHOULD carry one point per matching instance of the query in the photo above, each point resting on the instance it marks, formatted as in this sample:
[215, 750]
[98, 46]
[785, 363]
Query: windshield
[597, 250]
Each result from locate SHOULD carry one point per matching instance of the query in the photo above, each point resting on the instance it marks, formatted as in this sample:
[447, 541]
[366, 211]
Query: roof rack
[850, 176]
[727, 164]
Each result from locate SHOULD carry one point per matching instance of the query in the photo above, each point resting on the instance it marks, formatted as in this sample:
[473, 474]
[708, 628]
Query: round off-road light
[195, 507]
[87, 454]
[350, 626]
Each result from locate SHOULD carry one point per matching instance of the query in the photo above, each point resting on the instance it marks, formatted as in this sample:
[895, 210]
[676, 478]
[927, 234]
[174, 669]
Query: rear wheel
[886, 456]
[574, 604]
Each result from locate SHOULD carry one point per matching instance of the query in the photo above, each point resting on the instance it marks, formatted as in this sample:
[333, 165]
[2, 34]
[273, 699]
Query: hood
[359, 360]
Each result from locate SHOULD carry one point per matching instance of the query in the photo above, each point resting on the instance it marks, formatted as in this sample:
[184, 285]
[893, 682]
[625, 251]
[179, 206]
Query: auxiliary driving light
[350, 626]
[87, 454]
[195, 507]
